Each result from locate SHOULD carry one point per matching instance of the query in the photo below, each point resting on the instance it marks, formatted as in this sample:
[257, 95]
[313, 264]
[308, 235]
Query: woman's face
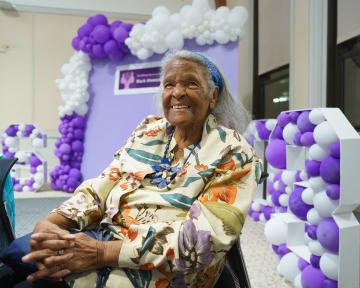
[185, 97]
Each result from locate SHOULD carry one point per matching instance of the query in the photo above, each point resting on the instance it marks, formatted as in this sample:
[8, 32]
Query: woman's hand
[83, 255]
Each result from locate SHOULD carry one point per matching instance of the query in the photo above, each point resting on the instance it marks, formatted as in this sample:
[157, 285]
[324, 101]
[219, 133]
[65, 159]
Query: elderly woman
[172, 202]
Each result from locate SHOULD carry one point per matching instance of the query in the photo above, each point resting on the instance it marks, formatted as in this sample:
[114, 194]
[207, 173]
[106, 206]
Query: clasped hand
[58, 253]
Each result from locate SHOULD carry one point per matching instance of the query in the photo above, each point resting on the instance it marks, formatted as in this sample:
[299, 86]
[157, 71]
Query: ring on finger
[61, 252]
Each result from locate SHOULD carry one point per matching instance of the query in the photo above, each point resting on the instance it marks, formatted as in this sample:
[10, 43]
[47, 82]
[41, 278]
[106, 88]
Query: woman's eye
[168, 85]
[193, 84]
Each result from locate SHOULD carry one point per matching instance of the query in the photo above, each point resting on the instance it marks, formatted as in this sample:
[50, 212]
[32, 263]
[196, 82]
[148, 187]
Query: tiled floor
[261, 261]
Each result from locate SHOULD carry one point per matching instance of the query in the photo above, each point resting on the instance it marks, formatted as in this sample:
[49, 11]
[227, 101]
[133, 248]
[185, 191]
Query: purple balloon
[34, 161]
[101, 33]
[28, 130]
[78, 134]
[98, 19]
[275, 197]
[276, 153]
[274, 248]
[297, 205]
[277, 133]
[65, 148]
[315, 261]
[297, 137]
[120, 34]
[18, 187]
[329, 283]
[282, 209]
[311, 231]
[77, 146]
[127, 26]
[283, 250]
[115, 25]
[302, 264]
[75, 173]
[333, 191]
[297, 176]
[312, 167]
[84, 30]
[75, 43]
[335, 150]
[79, 122]
[312, 277]
[82, 44]
[330, 170]
[283, 119]
[328, 234]
[72, 182]
[304, 123]
[294, 116]
[11, 130]
[307, 139]
[256, 216]
[268, 211]
[98, 51]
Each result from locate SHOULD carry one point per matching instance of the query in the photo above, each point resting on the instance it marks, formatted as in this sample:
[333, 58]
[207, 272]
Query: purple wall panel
[112, 118]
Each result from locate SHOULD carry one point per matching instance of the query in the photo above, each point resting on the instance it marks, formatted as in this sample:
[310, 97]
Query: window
[274, 92]
[348, 79]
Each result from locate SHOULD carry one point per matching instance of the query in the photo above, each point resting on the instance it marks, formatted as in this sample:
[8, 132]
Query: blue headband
[214, 72]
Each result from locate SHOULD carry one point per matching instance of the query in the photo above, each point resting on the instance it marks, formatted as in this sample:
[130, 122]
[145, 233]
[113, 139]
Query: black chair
[5, 226]
[234, 274]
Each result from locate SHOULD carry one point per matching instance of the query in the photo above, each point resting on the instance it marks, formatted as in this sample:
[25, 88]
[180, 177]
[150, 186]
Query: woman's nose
[179, 91]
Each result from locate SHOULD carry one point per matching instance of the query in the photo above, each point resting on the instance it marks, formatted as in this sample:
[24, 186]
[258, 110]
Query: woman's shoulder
[234, 138]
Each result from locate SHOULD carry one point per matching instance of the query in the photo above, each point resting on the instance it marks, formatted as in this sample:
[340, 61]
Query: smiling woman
[172, 202]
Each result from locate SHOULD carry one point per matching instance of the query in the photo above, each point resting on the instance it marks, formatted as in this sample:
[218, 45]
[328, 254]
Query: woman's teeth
[180, 106]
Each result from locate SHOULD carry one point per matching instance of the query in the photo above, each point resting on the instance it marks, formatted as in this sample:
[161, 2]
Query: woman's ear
[214, 97]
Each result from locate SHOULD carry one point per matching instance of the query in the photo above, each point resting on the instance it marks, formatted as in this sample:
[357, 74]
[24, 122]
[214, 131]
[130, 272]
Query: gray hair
[228, 111]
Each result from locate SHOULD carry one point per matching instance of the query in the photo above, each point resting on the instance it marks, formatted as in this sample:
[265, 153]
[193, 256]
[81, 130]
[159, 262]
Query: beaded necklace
[165, 173]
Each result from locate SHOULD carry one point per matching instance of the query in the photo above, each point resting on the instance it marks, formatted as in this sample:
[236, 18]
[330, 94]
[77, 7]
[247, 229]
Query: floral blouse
[178, 235]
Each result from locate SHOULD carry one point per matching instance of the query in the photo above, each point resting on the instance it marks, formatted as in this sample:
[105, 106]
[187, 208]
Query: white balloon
[284, 200]
[26, 188]
[262, 218]
[255, 206]
[317, 183]
[40, 168]
[329, 265]
[316, 248]
[143, 53]
[176, 20]
[313, 217]
[288, 266]
[307, 239]
[221, 37]
[270, 124]
[162, 23]
[193, 16]
[289, 132]
[159, 47]
[241, 13]
[200, 40]
[317, 152]
[160, 10]
[19, 134]
[222, 12]
[209, 14]
[22, 181]
[37, 143]
[325, 205]
[316, 116]
[174, 40]
[276, 185]
[185, 10]
[36, 186]
[12, 150]
[39, 178]
[324, 134]
[297, 281]
[308, 195]
[288, 177]
[11, 141]
[276, 231]
[303, 175]
[288, 190]
[22, 156]
[21, 127]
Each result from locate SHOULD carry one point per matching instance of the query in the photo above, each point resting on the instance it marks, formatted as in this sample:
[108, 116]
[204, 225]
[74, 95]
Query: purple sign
[137, 78]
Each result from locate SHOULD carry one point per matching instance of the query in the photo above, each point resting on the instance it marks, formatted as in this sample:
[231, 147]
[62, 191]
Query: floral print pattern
[175, 234]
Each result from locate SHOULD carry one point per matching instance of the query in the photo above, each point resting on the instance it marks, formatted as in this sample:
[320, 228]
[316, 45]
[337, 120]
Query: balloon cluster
[313, 200]
[69, 149]
[11, 143]
[73, 87]
[259, 130]
[99, 39]
[197, 21]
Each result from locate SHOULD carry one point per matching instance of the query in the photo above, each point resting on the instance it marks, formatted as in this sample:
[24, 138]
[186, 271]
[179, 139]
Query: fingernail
[25, 259]
[66, 272]
[30, 278]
